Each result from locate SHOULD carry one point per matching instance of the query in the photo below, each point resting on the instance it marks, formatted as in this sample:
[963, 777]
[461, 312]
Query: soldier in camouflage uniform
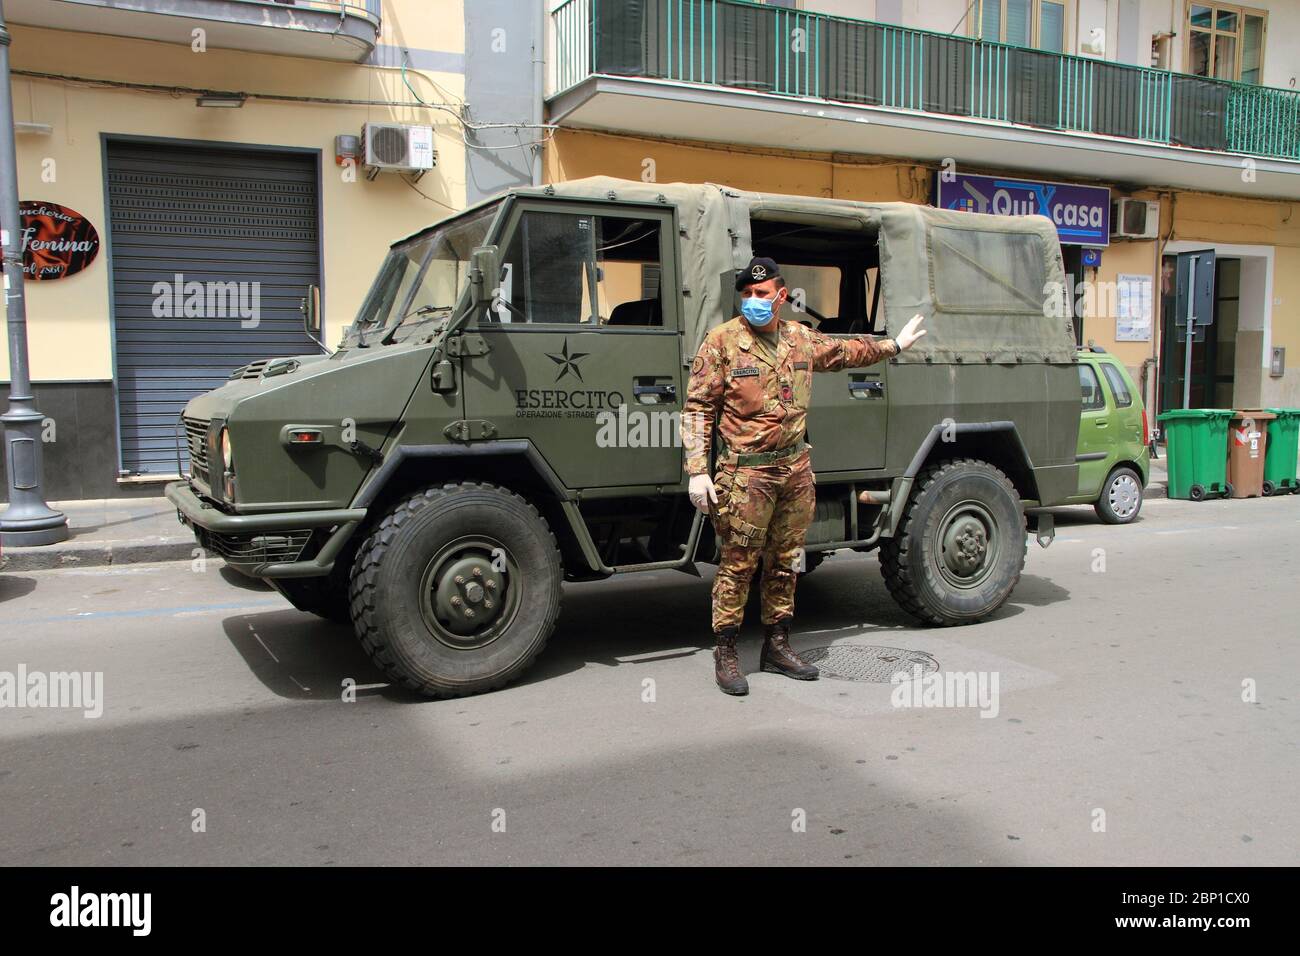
[753, 377]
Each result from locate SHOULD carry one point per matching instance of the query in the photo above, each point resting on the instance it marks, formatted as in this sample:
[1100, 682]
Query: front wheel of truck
[960, 546]
[457, 589]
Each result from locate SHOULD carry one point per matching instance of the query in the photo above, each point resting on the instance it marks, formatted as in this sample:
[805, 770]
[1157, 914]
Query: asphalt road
[1120, 691]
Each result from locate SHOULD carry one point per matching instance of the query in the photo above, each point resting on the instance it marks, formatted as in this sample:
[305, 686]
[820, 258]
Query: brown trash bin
[1247, 444]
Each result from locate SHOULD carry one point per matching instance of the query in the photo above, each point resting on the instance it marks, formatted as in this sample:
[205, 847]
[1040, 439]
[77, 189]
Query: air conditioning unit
[1135, 219]
[396, 148]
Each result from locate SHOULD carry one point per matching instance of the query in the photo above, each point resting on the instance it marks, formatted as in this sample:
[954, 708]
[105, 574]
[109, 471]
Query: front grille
[196, 440]
[280, 547]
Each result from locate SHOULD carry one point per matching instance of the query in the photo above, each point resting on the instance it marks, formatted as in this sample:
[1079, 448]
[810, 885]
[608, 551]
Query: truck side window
[980, 272]
[583, 269]
[1092, 396]
[815, 295]
[1118, 387]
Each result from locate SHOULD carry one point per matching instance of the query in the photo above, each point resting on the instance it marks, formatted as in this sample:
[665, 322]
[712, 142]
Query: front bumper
[268, 545]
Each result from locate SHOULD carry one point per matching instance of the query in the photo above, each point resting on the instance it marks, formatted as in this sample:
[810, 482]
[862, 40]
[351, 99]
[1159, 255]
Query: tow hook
[1044, 528]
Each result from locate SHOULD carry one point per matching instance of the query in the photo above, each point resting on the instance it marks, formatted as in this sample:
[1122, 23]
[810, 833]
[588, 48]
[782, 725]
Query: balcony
[699, 68]
[318, 29]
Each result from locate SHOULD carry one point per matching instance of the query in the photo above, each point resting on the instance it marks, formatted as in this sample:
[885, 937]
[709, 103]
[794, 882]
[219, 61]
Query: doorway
[1214, 352]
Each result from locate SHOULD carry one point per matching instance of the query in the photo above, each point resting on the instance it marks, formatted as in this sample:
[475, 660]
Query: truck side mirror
[481, 263]
[311, 311]
[311, 320]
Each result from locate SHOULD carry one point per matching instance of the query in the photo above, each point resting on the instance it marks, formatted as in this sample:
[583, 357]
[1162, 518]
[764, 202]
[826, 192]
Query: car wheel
[457, 589]
[960, 546]
[1121, 497]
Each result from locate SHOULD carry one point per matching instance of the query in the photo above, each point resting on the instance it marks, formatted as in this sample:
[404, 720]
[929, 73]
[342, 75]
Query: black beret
[760, 269]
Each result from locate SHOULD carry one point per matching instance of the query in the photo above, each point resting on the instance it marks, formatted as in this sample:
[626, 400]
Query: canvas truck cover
[983, 283]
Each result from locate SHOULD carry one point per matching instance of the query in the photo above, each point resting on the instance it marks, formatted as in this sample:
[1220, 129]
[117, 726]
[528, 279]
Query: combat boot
[726, 663]
[779, 658]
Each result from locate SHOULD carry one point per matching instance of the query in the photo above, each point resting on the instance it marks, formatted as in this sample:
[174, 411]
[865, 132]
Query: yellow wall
[573, 154]
[68, 320]
[1120, 258]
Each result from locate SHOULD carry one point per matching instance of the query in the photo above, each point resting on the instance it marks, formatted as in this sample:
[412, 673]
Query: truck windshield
[423, 278]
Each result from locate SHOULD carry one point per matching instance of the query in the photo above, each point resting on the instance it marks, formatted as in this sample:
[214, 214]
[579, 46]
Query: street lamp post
[28, 520]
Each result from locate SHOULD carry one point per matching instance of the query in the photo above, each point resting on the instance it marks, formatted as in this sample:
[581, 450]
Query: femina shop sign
[1081, 213]
[56, 241]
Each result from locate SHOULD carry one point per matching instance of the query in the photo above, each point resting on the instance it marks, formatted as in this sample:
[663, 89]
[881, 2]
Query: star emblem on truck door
[567, 363]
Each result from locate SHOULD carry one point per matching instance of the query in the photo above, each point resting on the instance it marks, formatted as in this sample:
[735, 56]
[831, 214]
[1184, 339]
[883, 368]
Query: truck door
[1096, 450]
[823, 266]
[584, 356]
[849, 413]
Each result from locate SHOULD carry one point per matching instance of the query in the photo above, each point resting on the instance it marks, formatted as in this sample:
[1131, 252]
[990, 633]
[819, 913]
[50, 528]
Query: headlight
[227, 454]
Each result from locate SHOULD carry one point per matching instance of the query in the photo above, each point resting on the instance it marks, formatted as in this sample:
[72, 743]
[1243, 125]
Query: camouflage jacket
[760, 402]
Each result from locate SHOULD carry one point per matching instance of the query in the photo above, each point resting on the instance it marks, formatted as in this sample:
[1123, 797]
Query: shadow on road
[13, 587]
[630, 620]
[331, 784]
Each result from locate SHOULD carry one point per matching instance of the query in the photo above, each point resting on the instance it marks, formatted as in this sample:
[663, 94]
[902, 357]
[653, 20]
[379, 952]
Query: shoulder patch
[800, 366]
[698, 365]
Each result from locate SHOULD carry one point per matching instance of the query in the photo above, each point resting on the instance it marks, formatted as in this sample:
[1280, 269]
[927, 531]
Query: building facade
[193, 143]
[1189, 110]
[200, 140]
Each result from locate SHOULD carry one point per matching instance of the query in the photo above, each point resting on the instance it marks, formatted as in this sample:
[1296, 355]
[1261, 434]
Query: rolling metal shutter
[211, 215]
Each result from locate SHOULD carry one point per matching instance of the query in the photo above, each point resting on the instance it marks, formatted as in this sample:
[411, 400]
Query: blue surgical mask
[758, 312]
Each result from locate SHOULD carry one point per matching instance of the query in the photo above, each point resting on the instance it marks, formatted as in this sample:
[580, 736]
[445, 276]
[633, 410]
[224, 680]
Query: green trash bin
[1281, 452]
[1197, 450]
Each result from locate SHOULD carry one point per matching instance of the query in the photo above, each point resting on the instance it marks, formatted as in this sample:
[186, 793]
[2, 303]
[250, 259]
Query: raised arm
[831, 355]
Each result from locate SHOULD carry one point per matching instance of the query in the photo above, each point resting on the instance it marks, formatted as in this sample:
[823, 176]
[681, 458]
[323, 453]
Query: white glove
[702, 492]
[911, 332]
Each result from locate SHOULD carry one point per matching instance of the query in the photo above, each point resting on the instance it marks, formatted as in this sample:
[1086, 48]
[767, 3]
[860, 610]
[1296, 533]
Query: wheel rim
[969, 545]
[469, 592]
[1124, 496]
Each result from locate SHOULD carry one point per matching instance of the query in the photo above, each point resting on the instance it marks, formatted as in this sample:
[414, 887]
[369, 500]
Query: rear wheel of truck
[457, 589]
[960, 547]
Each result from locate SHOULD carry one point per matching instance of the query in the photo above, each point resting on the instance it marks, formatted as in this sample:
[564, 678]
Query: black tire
[1197, 493]
[1227, 490]
[1121, 497]
[1269, 489]
[960, 501]
[447, 541]
[325, 597]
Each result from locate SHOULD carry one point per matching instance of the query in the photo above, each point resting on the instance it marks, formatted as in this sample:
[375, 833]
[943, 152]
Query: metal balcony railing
[744, 45]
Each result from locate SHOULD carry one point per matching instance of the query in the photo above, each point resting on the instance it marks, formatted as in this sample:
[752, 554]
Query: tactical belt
[763, 457]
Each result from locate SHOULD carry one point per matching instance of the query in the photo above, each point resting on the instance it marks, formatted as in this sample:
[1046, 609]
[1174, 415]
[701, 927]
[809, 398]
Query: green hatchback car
[1113, 455]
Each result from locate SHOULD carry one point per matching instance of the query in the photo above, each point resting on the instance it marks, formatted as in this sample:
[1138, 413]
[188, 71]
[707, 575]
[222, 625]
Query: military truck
[503, 415]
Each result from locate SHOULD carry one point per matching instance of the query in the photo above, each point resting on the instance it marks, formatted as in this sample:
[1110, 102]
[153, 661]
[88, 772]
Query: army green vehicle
[503, 415]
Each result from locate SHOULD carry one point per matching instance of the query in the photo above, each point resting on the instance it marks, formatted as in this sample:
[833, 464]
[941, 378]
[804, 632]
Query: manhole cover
[868, 663]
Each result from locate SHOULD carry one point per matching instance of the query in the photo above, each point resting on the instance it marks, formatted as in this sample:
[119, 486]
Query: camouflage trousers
[763, 513]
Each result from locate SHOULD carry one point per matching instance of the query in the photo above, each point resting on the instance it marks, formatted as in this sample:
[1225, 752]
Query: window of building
[1225, 41]
[576, 268]
[1092, 396]
[1118, 387]
[1031, 23]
